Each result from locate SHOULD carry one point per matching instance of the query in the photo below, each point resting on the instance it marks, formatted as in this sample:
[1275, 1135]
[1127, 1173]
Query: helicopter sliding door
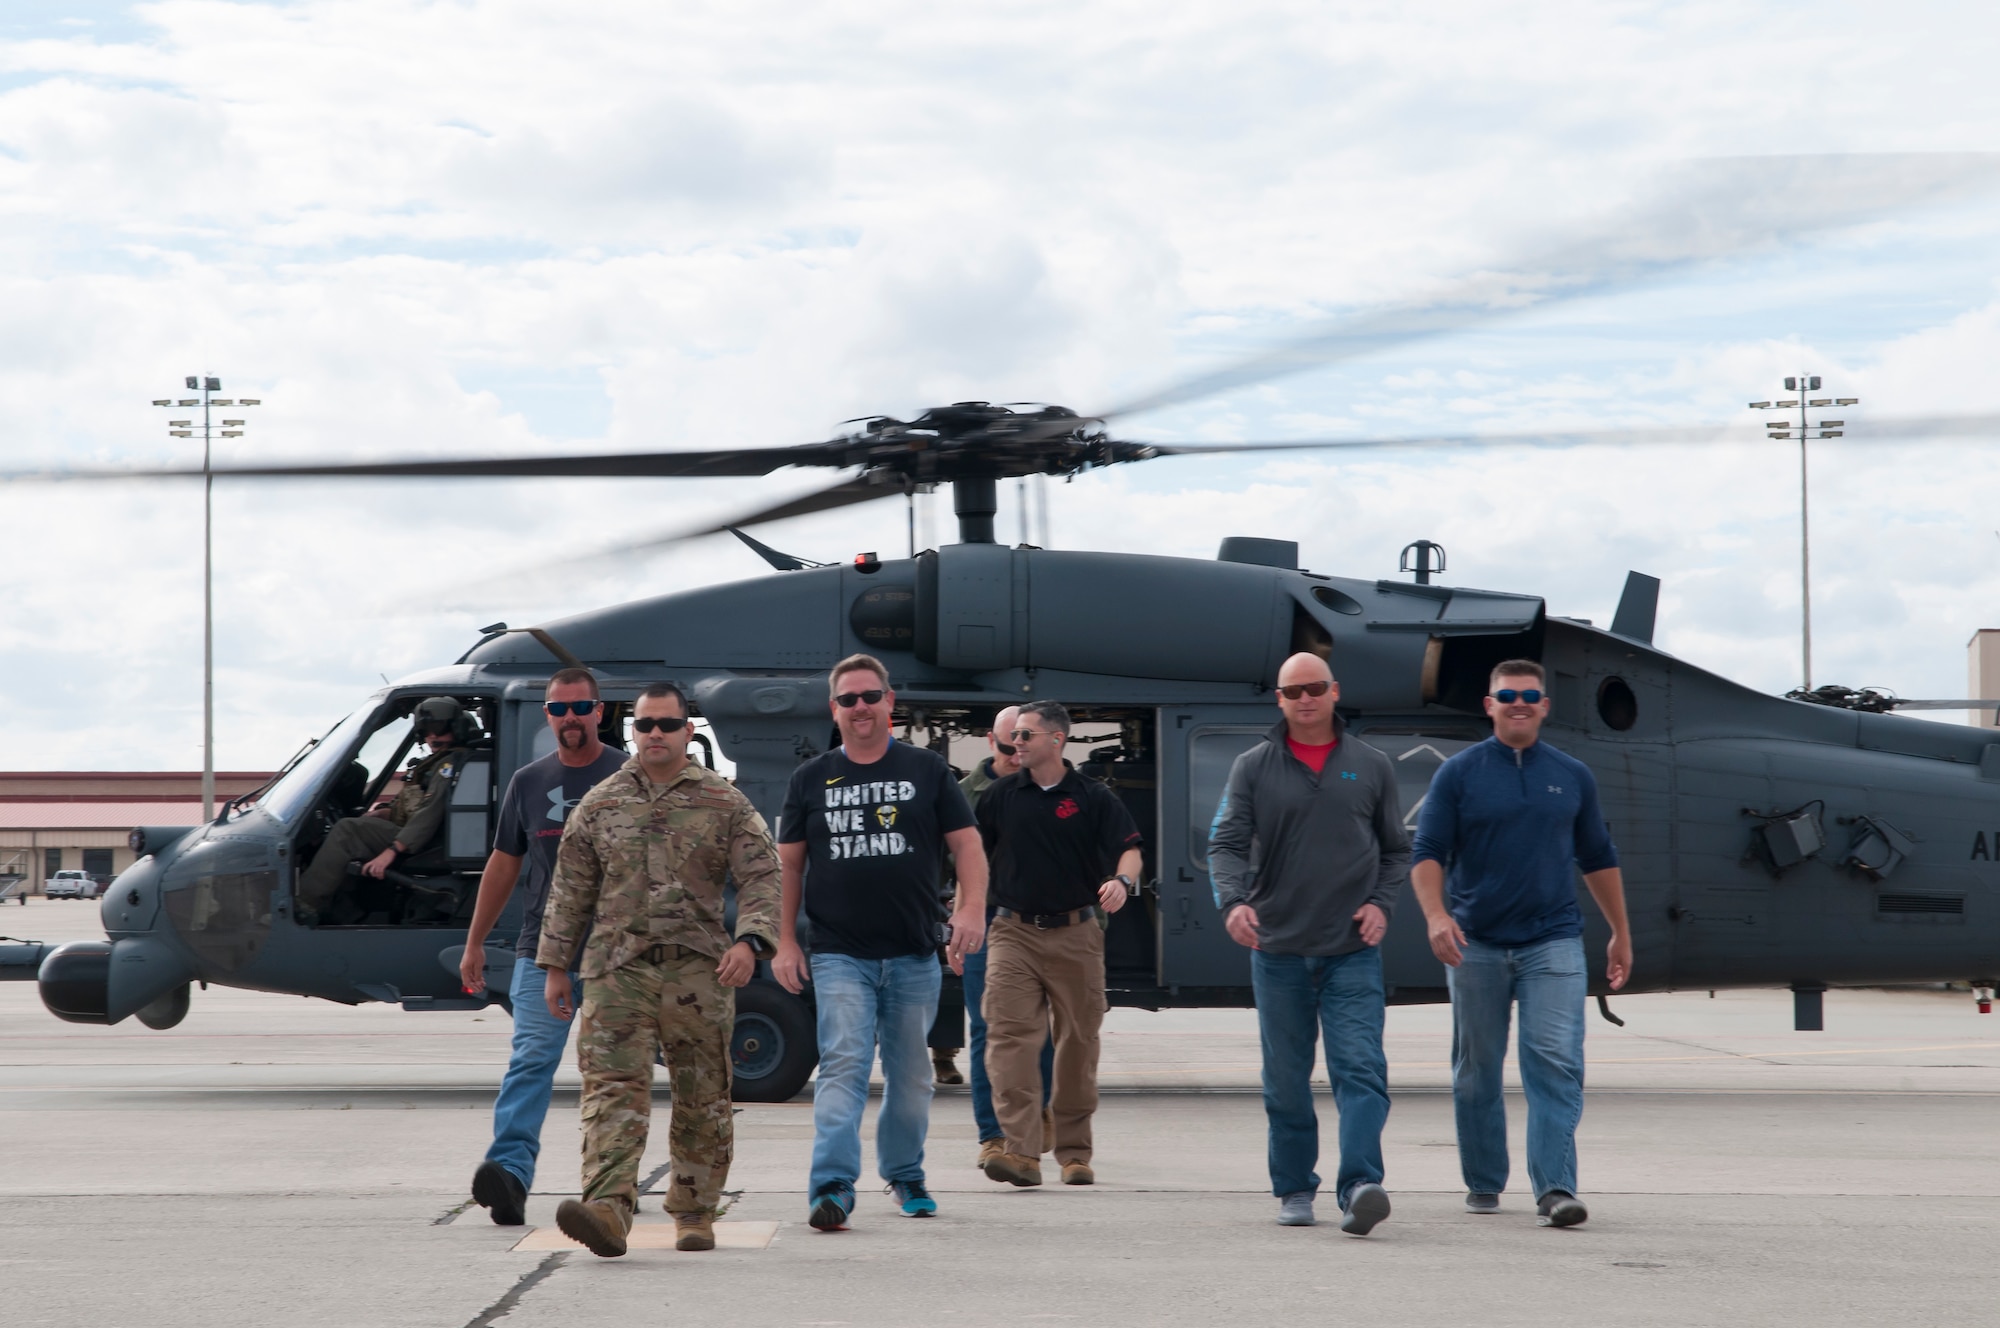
[1197, 745]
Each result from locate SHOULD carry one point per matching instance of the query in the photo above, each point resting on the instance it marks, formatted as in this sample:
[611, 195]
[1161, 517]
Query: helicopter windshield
[295, 792]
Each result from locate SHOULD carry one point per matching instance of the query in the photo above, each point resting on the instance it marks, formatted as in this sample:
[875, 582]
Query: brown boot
[1078, 1173]
[1014, 1169]
[696, 1231]
[942, 1067]
[988, 1150]
[599, 1225]
[1048, 1130]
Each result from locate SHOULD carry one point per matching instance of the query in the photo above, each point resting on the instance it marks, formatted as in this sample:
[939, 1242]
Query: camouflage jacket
[644, 863]
[424, 799]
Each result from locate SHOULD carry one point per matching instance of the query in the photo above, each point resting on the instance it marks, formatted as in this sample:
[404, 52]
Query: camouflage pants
[676, 1006]
[351, 837]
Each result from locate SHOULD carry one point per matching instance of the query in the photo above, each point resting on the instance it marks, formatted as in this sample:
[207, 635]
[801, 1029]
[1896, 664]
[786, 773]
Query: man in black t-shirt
[1065, 851]
[538, 802]
[862, 841]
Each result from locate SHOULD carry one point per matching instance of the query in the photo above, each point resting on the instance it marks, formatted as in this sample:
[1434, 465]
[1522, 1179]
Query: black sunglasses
[666, 724]
[1004, 748]
[561, 708]
[847, 700]
[430, 727]
[1294, 690]
[1530, 696]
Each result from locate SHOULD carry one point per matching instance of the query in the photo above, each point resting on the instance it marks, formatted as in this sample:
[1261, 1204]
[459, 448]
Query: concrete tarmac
[278, 1161]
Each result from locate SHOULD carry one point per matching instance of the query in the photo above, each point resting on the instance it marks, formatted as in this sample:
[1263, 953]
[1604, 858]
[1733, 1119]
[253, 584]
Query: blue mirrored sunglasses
[1508, 696]
[561, 708]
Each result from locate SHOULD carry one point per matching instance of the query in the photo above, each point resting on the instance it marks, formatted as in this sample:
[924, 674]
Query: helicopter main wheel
[166, 1010]
[775, 1044]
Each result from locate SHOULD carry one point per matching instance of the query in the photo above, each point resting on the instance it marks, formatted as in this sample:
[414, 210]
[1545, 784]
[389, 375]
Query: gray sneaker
[1367, 1205]
[1478, 1201]
[1296, 1210]
[1559, 1208]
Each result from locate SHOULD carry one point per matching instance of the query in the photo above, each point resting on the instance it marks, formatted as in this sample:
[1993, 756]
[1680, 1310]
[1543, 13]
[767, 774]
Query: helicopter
[1766, 841]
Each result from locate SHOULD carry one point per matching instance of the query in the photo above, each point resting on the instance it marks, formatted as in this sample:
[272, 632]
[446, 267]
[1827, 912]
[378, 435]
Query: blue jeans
[863, 1004]
[1299, 999]
[982, 1087]
[1549, 982]
[539, 1039]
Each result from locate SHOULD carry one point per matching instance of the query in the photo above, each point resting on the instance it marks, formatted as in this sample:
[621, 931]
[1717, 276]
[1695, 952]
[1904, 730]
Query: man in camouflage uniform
[642, 865]
[414, 819]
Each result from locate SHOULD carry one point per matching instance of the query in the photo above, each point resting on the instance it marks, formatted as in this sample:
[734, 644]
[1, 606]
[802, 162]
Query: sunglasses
[1004, 748]
[848, 700]
[1508, 696]
[1025, 735]
[667, 724]
[561, 708]
[1293, 691]
[433, 727]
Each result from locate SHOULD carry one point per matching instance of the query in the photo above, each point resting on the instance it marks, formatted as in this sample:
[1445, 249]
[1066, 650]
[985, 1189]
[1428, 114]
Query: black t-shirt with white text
[538, 802]
[874, 837]
[1049, 849]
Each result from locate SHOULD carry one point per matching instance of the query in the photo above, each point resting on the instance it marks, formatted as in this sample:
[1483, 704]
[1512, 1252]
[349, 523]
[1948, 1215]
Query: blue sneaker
[830, 1206]
[915, 1199]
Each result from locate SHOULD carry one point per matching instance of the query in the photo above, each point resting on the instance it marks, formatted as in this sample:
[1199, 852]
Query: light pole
[1783, 430]
[208, 387]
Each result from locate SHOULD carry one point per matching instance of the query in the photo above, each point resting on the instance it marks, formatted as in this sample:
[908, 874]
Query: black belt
[660, 952]
[1044, 921]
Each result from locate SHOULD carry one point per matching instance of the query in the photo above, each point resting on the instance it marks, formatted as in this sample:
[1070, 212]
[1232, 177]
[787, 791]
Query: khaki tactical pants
[676, 1005]
[1038, 984]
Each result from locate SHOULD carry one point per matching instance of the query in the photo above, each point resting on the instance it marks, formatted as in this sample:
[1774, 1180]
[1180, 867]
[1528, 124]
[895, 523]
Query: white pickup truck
[70, 884]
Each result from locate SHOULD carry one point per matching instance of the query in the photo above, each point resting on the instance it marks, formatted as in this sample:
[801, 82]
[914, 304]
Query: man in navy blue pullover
[1514, 820]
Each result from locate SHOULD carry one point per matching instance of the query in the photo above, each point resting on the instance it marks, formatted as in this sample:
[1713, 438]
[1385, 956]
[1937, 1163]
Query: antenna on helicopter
[1421, 564]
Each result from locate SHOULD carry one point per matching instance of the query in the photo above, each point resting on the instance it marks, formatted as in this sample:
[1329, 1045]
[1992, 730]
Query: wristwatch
[759, 947]
[1131, 886]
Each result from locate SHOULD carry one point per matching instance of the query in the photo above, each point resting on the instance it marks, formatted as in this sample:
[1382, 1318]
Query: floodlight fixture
[163, 403]
[1846, 401]
[1755, 405]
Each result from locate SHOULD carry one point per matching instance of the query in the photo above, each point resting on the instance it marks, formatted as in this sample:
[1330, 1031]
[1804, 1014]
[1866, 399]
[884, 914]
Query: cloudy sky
[456, 228]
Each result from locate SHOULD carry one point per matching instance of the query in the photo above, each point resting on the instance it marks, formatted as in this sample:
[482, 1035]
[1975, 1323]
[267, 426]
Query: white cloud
[712, 225]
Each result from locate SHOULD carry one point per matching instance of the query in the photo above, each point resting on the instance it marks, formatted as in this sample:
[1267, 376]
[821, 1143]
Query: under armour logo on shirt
[1555, 788]
[1351, 774]
[559, 807]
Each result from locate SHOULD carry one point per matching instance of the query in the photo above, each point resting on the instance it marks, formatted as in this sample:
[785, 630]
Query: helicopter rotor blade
[1901, 704]
[720, 462]
[1704, 211]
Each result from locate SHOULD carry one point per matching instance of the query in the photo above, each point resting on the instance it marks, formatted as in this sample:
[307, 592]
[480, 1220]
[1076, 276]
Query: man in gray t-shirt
[538, 801]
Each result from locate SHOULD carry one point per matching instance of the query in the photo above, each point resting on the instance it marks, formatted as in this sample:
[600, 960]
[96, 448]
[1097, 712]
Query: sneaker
[694, 1231]
[830, 1206]
[1296, 1210]
[1478, 1201]
[988, 1150]
[1366, 1206]
[1078, 1173]
[1014, 1169]
[943, 1069]
[1560, 1208]
[501, 1193]
[914, 1198]
[599, 1225]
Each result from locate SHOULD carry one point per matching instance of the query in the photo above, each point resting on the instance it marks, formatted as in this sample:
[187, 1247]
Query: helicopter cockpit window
[296, 791]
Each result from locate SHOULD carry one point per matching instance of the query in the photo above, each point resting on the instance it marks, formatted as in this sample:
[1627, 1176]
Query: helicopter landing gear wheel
[775, 1044]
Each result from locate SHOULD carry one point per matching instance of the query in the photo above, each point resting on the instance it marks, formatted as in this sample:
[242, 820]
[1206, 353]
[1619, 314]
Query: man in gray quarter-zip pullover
[1307, 855]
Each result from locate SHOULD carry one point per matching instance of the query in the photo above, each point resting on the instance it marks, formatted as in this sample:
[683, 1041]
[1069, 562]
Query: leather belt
[660, 952]
[1045, 921]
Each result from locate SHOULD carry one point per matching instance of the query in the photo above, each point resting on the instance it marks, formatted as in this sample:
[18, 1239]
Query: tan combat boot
[942, 1067]
[1078, 1173]
[599, 1225]
[1015, 1169]
[988, 1150]
[695, 1231]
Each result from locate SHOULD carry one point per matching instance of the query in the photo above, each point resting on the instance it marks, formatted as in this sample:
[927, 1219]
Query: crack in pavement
[500, 1308]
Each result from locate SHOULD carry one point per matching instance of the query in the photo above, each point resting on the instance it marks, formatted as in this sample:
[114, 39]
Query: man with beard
[538, 802]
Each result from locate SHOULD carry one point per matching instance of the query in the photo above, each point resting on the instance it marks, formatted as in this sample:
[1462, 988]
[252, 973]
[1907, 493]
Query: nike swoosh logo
[836, 779]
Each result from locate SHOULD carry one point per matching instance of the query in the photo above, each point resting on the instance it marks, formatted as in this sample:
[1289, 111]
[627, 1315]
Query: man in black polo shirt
[1063, 850]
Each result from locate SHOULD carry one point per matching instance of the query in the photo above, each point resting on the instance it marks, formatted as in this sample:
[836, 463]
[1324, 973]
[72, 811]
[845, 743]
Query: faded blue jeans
[1549, 982]
[982, 1087]
[523, 1103]
[864, 1004]
[1299, 1000]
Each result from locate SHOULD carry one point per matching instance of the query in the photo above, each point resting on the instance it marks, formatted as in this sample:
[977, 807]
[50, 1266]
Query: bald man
[1317, 815]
